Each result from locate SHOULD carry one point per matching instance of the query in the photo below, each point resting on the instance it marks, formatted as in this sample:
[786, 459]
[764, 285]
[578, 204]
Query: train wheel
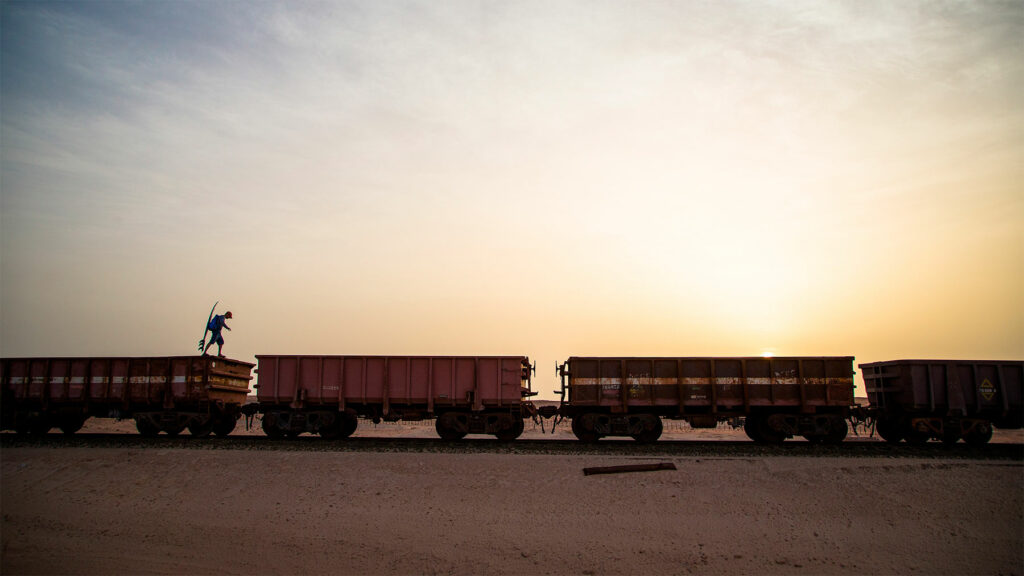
[201, 429]
[225, 425]
[750, 427]
[269, 425]
[174, 429]
[768, 434]
[583, 428]
[837, 430]
[71, 424]
[146, 428]
[22, 427]
[814, 439]
[513, 429]
[916, 437]
[889, 429]
[39, 425]
[979, 435]
[451, 426]
[652, 430]
[350, 421]
[333, 430]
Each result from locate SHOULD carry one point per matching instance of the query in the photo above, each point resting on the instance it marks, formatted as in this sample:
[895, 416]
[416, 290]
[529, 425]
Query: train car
[918, 400]
[326, 395]
[778, 397]
[202, 393]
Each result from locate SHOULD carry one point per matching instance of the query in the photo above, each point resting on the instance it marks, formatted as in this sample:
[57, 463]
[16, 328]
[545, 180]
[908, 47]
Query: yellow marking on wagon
[988, 391]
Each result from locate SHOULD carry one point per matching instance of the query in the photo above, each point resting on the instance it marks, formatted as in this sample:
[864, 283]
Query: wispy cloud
[413, 148]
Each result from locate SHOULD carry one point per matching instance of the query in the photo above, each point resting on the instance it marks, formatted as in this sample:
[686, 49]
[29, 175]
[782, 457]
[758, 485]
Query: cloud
[407, 150]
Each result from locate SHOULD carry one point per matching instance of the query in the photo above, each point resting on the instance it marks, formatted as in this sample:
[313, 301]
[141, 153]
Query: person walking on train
[217, 323]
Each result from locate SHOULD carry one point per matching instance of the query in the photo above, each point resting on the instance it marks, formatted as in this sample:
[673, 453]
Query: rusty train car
[778, 397]
[162, 394]
[326, 395]
[775, 398]
[919, 400]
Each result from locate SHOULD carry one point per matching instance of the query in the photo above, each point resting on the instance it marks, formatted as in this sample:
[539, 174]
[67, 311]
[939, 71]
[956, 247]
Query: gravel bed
[852, 449]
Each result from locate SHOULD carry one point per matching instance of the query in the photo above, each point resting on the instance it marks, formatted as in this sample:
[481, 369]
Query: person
[216, 324]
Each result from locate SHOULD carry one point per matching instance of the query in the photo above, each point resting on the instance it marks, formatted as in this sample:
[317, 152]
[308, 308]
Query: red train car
[326, 394]
[917, 400]
[169, 394]
[779, 397]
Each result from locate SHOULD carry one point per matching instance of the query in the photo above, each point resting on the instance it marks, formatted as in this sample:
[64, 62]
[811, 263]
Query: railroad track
[679, 448]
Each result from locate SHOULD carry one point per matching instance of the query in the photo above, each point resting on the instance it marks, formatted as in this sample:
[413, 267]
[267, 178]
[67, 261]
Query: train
[168, 394]
[775, 398]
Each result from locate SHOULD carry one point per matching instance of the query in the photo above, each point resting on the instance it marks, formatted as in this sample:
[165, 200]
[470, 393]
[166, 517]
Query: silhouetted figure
[217, 323]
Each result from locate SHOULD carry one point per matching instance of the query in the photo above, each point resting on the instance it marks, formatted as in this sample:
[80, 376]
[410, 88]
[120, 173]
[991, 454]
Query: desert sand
[183, 511]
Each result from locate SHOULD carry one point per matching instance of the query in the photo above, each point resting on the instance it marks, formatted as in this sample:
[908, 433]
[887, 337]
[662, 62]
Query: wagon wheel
[331, 430]
[201, 428]
[447, 433]
[914, 436]
[146, 428]
[751, 428]
[513, 429]
[269, 425]
[814, 439]
[174, 429]
[225, 425]
[889, 430]
[71, 424]
[450, 426]
[768, 434]
[979, 435]
[837, 430]
[349, 422]
[651, 432]
[22, 427]
[39, 425]
[582, 427]
[950, 435]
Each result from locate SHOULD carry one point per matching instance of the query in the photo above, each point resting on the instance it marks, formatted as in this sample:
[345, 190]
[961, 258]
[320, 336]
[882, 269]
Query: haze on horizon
[549, 179]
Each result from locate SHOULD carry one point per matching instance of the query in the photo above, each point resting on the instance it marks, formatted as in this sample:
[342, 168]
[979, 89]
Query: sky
[549, 179]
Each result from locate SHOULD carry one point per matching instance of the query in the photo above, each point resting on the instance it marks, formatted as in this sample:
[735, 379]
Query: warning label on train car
[987, 389]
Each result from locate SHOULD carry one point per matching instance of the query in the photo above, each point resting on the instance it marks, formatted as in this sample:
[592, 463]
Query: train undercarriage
[334, 424]
[765, 428]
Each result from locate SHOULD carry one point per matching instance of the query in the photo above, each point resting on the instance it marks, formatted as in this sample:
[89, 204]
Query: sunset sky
[541, 178]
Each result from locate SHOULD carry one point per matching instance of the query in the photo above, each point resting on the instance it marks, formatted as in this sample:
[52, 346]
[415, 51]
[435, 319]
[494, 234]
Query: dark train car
[779, 397]
[169, 394]
[326, 394]
[917, 400]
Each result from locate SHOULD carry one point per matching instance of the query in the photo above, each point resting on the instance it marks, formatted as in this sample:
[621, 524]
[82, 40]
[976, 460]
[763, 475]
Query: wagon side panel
[269, 389]
[419, 383]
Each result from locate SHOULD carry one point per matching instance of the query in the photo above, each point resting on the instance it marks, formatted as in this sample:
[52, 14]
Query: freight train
[776, 398]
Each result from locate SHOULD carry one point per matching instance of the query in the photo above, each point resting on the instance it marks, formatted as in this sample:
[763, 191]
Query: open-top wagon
[778, 397]
[162, 393]
[326, 395]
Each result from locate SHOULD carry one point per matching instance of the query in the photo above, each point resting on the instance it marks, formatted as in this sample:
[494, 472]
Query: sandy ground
[180, 511]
